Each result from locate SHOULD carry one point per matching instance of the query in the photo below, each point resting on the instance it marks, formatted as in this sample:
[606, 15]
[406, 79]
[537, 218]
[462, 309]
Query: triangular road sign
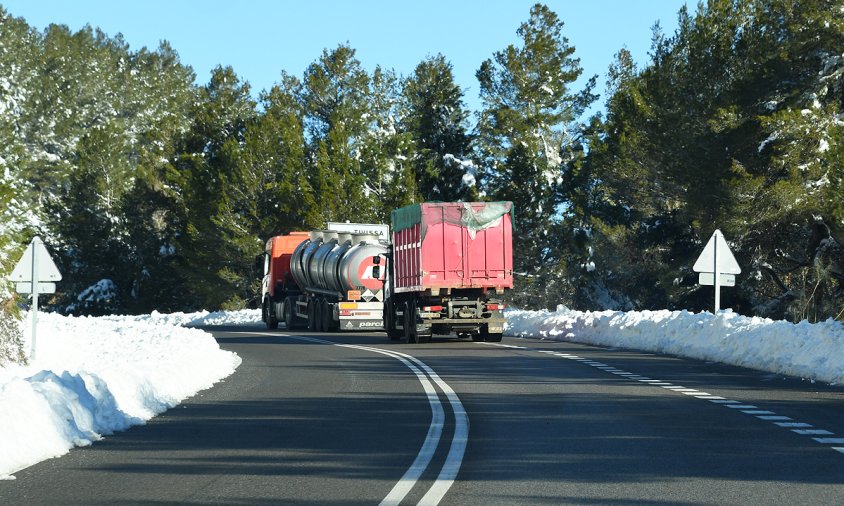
[717, 248]
[47, 270]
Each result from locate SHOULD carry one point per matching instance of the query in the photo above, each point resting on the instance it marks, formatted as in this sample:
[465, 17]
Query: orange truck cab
[278, 281]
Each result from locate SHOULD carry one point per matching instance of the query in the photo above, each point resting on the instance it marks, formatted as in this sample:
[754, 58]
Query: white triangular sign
[47, 270]
[717, 248]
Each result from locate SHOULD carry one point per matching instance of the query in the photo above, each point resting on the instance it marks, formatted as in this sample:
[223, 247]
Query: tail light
[432, 308]
[495, 307]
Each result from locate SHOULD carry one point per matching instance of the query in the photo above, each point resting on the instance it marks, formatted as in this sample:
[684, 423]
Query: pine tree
[437, 120]
[730, 126]
[274, 158]
[387, 149]
[335, 98]
[215, 248]
[527, 134]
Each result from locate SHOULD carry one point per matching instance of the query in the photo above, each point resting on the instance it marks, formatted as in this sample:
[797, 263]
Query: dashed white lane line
[801, 428]
[830, 440]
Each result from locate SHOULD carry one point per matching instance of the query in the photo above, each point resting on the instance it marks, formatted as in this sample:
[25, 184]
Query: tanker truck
[329, 283]
[448, 266]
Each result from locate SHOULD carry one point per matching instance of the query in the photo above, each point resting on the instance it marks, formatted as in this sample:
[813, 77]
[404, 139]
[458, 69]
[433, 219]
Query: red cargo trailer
[450, 264]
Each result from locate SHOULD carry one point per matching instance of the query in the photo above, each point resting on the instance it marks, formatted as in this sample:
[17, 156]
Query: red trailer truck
[448, 267]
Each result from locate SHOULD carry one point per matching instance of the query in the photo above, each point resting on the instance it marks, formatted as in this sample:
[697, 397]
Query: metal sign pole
[34, 295]
[717, 271]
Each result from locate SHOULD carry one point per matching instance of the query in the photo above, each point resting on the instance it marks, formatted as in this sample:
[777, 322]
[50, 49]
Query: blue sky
[260, 38]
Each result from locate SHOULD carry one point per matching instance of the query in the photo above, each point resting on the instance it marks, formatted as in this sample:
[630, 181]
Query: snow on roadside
[804, 350]
[243, 317]
[94, 376]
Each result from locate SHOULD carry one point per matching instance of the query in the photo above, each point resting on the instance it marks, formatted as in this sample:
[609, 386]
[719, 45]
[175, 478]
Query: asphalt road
[352, 418]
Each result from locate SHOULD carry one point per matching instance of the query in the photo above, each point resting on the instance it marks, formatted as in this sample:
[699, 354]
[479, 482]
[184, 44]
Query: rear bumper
[359, 324]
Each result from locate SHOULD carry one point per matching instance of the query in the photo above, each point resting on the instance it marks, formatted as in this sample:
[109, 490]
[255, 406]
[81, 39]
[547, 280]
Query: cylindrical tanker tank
[337, 262]
[354, 271]
[301, 259]
[332, 262]
[316, 267]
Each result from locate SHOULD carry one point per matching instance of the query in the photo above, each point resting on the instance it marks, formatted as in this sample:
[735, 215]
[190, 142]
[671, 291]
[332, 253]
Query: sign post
[35, 273]
[717, 266]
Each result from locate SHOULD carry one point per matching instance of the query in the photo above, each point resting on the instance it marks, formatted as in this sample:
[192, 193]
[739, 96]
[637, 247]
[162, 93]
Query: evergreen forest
[153, 192]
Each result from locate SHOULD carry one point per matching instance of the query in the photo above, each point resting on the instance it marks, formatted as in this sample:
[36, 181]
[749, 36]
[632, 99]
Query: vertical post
[34, 294]
[717, 273]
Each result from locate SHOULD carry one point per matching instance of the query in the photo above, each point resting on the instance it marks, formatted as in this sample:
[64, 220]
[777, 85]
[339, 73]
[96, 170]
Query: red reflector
[432, 308]
[345, 312]
[495, 307]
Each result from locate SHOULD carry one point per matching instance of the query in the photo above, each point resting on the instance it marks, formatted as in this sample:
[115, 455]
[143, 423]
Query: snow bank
[804, 350]
[244, 317]
[94, 376]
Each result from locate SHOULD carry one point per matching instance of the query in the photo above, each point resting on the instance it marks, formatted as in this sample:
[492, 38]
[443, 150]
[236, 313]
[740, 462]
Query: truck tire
[318, 322]
[289, 314]
[327, 317]
[311, 316]
[390, 322]
[269, 314]
[410, 321]
[490, 337]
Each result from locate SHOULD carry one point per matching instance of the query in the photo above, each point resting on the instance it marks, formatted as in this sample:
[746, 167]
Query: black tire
[269, 314]
[410, 321]
[311, 316]
[327, 317]
[289, 313]
[318, 323]
[390, 322]
[485, 335]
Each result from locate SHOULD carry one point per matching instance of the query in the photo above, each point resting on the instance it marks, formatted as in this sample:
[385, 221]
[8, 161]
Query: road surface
[353, 418]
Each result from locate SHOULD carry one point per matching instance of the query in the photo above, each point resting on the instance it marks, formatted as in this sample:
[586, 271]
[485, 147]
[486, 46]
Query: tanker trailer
[335, 273]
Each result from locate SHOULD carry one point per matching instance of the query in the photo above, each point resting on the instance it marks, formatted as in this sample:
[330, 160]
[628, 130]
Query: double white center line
[451, 466]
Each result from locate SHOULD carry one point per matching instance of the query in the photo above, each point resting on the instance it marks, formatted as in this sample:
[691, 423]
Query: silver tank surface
[301, 258]
[355, 269]
[337, 262]
[317, 263]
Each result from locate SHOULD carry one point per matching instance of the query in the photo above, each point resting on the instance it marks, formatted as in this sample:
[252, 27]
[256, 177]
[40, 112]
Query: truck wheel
[485, 335]
[390, 322]
[318, 316]
[327, 317]
[311, 315]
[269, 314]
[289, 315]
[410, 321]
